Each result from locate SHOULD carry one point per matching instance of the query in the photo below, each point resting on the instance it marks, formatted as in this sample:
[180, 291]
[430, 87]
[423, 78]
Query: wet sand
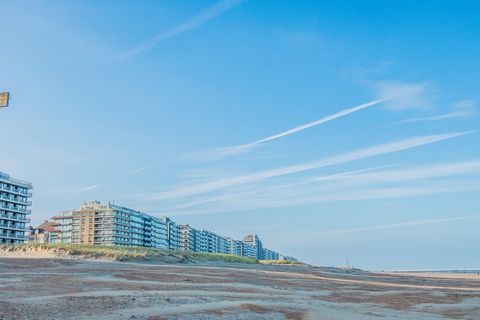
[63, 288]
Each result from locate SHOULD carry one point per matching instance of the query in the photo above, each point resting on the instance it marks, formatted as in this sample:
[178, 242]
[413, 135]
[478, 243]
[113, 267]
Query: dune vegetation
[282, 262]
[118, 253]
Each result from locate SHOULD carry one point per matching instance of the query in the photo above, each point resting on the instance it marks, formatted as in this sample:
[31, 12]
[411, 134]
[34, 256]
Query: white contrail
[342, 158]
[219, 153]
[318, 122]
[139, 170]
[191, 24]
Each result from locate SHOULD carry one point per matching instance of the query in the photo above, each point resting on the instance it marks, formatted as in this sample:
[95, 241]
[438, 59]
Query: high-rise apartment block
[14, 209]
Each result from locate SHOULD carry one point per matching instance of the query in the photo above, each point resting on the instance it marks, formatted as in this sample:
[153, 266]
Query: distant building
[189, 238]
[208, 241]
[14, 208]
[173, 234]
[112, 225]
[254, 241]
[270, 254]
[287, 258]
[223, 245]
[47, 232]
[249, 251]
[235, 246]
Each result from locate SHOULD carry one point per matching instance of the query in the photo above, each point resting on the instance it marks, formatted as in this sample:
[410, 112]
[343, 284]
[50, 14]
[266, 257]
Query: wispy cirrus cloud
[210, 13]
[462, 109]
[402, 96]
[219, 153]
[302, 238]
[89, 188]
[393, 225]
[138, 170]
[404, 144]
[276, 187]
[287, 199]
[68, 194]
[343, 181]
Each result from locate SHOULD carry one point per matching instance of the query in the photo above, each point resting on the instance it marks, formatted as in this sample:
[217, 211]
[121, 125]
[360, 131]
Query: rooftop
[6, 177]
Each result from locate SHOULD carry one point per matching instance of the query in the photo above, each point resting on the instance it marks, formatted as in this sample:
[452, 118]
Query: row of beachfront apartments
[112, 225]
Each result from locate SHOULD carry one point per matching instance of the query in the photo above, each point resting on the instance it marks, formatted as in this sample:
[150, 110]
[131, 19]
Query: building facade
[47, 232]
[254, 241]
[14, 209]
[190, 239]
[235, 246]
[111, 225]
[270, 254]
[173, 234]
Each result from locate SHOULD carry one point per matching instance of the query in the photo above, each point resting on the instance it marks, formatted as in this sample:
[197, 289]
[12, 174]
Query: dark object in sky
[4, 96]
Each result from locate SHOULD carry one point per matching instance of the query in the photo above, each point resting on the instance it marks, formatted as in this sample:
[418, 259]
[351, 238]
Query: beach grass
[118, 253]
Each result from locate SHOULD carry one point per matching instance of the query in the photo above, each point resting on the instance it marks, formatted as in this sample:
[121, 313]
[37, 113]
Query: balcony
[13, 217]
[12, 226]
[13, 237]
[11, 208]
[16, 191]
[12, 199]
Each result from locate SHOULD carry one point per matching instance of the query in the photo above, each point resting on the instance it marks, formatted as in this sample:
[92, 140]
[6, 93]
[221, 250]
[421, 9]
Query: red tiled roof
[49, 226]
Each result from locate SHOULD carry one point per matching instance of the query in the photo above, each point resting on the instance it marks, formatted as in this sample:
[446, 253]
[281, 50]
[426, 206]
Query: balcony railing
[11, 226]
[14, 217]
[10, 208]
[14, 237]
[12, 199]
[13, 190]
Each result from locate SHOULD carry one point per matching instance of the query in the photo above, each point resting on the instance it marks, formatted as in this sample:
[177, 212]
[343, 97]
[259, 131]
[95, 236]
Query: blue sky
[236, 116]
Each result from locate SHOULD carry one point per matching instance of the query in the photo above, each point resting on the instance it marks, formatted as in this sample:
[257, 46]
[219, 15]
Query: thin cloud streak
[360, 177]
[394, 225]
[463, 109]
[89, 188]
[139, 170]
[220, 153]
[242, 205]
[277, 187]
[342, 158]
[302, 238]
[404, 96]
[191, 24]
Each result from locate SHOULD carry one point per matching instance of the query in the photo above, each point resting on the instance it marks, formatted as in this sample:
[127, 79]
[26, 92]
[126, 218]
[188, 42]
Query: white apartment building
[14, 209]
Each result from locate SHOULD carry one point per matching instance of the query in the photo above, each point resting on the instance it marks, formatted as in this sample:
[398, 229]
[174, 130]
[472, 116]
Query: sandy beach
[66, 288]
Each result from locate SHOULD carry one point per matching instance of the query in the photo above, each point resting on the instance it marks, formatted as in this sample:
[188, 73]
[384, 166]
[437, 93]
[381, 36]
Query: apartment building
[254, 241]
[235, 246]
[173, 234]
[112, 225]
[223, 245]
[208, 241]
[190, 238]
[14, 209]
[249, 250]
[270, 254]
[108, 224]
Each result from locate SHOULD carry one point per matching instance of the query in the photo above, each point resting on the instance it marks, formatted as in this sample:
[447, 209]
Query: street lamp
[4, 97]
